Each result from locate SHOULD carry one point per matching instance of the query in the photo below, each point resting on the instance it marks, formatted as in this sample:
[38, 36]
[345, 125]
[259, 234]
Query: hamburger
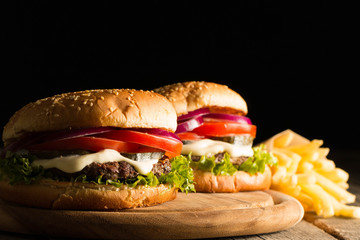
[93, 150]
[218, 138]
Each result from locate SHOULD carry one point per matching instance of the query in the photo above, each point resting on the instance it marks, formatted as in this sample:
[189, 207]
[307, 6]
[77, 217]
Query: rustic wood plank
[302, 231]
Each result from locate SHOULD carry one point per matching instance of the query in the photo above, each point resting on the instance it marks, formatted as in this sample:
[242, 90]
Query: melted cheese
[210, 147]
[76, 163]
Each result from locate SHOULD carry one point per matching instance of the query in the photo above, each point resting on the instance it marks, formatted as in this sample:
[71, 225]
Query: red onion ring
[65, 134]
[228, 117]
[156, 131]
[192, 114]
[189, 125]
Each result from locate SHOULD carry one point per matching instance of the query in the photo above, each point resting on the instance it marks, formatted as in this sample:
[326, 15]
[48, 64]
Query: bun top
[189, 96]
[125, 108]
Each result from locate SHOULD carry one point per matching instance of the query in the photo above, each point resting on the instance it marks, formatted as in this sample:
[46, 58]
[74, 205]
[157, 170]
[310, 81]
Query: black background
[292, 62]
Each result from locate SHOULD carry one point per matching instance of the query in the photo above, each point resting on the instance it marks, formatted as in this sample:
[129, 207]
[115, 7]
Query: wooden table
[311, 227]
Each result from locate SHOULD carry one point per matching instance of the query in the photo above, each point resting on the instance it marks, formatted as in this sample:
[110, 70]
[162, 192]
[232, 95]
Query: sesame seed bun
[124, 108]
[189, 96]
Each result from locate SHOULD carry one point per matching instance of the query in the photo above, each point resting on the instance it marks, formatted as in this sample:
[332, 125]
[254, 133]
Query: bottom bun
[240, 181]
[85, 196]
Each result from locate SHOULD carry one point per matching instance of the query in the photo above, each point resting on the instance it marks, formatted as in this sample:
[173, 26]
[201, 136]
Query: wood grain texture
[302, 231]
[197, 215]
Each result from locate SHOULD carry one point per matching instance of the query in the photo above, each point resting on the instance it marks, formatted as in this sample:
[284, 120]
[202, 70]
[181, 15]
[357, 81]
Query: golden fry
[323, 205]
[343, 185]
[304, 172]
[306, 178]
[284, 140]
[278, 175]
[332, 188]
[305, 148]
[305, 167]
[306, 201]
[288, 159]
[337, 175]
[283, 159]
[344, 210]
[324, 165]
[323, 152]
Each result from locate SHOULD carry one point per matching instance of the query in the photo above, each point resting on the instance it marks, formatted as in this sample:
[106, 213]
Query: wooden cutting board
[195, 215]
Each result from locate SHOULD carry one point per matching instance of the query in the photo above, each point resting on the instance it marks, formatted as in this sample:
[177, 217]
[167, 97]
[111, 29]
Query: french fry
[306, 178]
[343, 185]
[349, 211]
[305, 148]
[305, 167]
[324, 165]
[288, 159]
[310, 156]
[283, 159]
[337, 192]
[283, 140]
[279, 175]
[344, 210]
[337, 175]
[305, 200]
[292, 191]
[304, 172]
[323, 205]
[323, 152]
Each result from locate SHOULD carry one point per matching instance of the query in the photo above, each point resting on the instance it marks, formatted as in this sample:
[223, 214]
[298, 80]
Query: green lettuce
[252, 165]
[181, 175]
[257, 162]
[207, 164]
[18, 170]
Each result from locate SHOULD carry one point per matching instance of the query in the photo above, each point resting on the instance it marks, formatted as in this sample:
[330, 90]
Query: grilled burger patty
[110, 170]
[113, 170]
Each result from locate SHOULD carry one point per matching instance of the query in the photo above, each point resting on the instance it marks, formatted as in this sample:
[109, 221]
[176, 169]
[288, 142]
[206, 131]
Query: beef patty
[114, 170]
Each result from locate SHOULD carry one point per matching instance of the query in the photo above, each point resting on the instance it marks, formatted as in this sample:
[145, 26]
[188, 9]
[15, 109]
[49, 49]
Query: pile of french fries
[305, 173]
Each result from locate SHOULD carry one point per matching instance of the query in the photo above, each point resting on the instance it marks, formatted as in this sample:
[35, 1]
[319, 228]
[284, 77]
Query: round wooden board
[195, 215]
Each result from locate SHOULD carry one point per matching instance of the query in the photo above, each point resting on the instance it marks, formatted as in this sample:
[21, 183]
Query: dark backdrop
[290, 61]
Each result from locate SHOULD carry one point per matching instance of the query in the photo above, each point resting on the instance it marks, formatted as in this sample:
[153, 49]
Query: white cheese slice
[75, 163]
[209, 147]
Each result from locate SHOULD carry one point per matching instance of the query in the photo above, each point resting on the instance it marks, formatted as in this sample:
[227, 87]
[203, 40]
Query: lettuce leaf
[18, 170]
[207, 164]
[257, 162]
[181, 175]
[252, 165]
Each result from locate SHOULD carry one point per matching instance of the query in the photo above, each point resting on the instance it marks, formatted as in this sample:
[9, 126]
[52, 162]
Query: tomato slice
[87, 143]
[216, 128]
[120, 140]
[189, 136]
[171, 146]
